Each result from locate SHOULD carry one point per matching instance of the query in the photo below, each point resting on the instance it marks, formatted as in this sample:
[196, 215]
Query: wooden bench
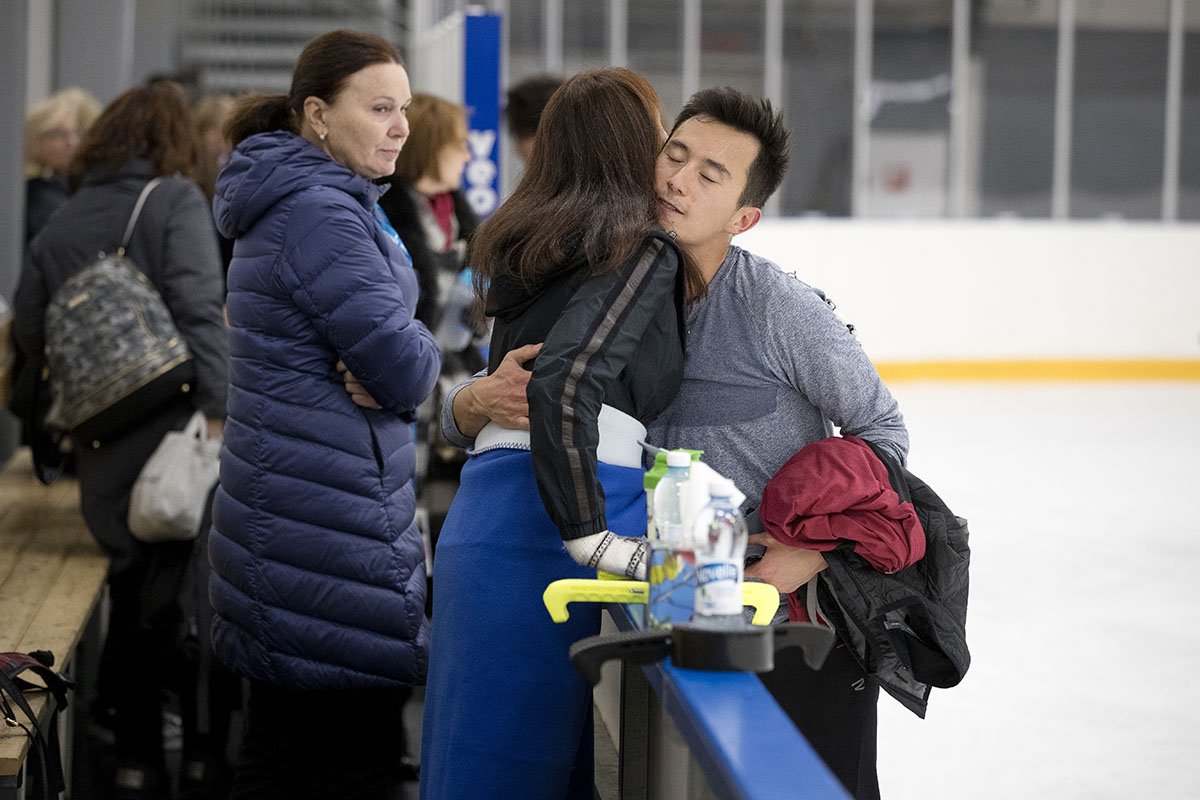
[51, 579]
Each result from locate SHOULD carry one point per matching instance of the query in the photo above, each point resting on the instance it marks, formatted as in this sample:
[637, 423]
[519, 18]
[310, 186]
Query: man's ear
[743, 220]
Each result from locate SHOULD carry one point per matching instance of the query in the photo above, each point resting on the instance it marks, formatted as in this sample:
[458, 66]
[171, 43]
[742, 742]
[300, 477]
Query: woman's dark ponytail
[259, 113]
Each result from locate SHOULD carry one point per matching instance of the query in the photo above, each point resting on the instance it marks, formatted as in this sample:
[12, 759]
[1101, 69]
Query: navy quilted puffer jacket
[318, 575]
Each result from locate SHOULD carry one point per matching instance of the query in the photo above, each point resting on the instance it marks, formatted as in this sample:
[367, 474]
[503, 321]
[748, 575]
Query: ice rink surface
[1084, 617]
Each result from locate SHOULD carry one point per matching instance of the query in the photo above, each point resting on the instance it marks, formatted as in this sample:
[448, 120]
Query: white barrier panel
[1002, 291]
[439, 59]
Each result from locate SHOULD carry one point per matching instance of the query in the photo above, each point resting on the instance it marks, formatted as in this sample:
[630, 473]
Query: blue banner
[481, 95]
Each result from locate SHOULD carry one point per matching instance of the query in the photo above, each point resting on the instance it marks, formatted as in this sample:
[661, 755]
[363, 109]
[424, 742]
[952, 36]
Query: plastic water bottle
[719, 541]
[669, 498]
[671, 574]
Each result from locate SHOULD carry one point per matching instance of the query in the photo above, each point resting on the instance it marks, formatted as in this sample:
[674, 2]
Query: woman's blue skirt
[506, 715]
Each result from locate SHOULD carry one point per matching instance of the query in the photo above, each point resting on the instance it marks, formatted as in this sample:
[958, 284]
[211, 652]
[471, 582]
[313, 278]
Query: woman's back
[172, 243]
[573, 259]
[142, 135]
[648, 380]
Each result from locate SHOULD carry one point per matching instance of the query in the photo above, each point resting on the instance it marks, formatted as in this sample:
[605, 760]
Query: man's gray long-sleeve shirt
[770, 368]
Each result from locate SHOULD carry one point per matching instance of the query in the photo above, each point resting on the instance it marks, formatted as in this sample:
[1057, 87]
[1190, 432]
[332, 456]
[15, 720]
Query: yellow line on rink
[1043, 370]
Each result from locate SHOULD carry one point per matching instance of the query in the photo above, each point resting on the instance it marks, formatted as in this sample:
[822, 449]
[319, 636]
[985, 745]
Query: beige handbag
[167, 503]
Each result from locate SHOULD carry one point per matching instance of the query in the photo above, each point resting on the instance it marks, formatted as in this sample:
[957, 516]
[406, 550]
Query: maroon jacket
[836, 493]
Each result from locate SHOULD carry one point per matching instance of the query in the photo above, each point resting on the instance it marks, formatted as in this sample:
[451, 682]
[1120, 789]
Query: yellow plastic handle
[606, 589]
[765, 599]
[589, 590]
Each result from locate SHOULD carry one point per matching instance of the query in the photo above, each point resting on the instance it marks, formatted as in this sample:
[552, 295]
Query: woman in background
[209, 694]
[212, 114]
[53, 130]
[434, 220]
[426, 203]
[145, 133]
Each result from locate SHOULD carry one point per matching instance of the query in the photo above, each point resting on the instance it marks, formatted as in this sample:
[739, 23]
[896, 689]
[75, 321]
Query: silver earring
[322, 136]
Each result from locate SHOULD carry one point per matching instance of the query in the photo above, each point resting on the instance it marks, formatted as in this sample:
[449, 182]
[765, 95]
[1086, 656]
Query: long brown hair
[153, 122]
[324, 66]
[589, 182]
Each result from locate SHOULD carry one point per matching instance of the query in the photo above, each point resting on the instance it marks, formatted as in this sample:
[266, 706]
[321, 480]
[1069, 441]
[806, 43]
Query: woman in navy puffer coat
[318, 577]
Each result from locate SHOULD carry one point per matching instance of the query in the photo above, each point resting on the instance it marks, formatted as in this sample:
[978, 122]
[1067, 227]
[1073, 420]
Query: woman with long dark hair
[143, 134]
[575, 258]
[318, 567]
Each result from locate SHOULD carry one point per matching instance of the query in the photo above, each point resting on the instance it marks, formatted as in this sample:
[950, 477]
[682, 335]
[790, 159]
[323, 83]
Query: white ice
[1084, 621]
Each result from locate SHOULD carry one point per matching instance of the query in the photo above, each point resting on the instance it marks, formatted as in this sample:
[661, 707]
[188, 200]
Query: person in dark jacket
[425, 202]
[318, 583]
[53, 131]
[144, 133]
[575, 259]
[434, 220]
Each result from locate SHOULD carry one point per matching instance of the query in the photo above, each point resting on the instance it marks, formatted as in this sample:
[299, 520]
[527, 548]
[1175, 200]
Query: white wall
[39, 51]
[999, 290]
[95, 46]
[157, 26]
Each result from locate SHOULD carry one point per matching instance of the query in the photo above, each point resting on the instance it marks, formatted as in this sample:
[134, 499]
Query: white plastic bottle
[669, 498]
[719, 542]
[670, 576]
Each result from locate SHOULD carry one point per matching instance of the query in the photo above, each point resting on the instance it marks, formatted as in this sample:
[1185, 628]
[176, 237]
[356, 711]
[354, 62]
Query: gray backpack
[114, 353]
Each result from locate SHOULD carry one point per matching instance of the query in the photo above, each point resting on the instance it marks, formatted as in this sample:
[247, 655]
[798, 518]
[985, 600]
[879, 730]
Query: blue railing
[743, 742]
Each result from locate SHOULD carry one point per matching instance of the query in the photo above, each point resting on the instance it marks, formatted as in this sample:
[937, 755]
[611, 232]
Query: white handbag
[167, 503]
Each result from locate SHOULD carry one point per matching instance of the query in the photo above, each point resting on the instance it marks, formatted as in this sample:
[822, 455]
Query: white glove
[620, 555]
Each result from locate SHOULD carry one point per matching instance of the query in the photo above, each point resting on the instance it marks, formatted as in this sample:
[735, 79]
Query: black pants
[836, 708]
[321, 745]
[209, 694]
[145, 623]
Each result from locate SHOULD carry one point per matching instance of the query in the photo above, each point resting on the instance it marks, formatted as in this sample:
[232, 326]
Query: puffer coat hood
[268, 167]
[318, 577]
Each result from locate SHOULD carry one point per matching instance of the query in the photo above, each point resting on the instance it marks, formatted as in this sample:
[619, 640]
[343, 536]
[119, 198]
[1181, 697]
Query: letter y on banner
[481, 95]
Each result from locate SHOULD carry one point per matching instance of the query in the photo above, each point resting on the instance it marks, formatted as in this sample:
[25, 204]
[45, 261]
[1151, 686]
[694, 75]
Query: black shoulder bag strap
[45, 759]
[137, 212]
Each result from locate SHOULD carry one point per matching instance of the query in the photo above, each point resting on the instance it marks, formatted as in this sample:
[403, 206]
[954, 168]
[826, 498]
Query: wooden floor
[51, 577]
